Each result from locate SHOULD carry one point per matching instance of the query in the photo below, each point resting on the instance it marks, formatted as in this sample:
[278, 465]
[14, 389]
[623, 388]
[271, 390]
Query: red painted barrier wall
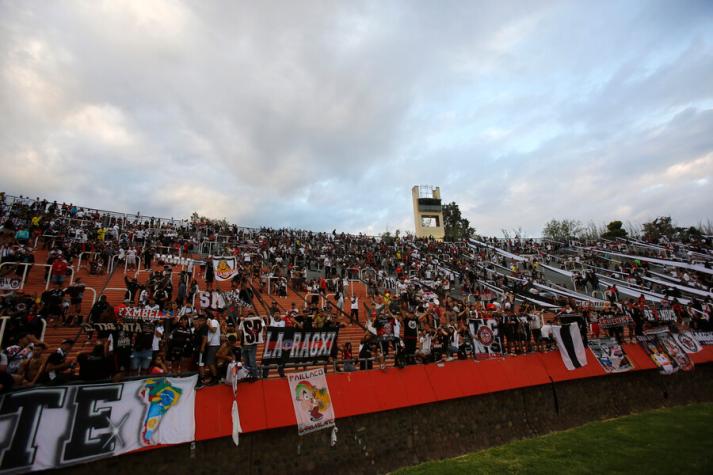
[266, 404]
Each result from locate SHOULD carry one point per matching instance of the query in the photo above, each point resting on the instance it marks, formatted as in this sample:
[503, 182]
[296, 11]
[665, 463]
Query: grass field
[664, 441]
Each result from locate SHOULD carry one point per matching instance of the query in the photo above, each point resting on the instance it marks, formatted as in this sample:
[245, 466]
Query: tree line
[661, 227]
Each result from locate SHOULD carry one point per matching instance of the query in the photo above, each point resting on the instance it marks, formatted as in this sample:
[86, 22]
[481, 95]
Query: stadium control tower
[427, 211]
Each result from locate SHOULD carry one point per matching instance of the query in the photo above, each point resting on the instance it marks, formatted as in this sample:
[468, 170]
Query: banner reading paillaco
[289, 345]
[51, 427]
[311, 401]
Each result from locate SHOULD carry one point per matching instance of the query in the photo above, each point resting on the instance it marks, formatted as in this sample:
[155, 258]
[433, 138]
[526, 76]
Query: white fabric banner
[569, 342]
[225, 268]
[57, 426]
[686, 341]
[311, 400]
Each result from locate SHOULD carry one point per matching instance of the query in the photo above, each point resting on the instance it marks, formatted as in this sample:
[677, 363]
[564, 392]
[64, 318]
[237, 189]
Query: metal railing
[27, 265]
[81, 254]
[312, 294]
[3, 324]
[24, 272]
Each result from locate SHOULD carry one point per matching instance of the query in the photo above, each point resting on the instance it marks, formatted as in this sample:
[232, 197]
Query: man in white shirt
[355, 308]
[424, 352]
[212, 345]
[157, 336]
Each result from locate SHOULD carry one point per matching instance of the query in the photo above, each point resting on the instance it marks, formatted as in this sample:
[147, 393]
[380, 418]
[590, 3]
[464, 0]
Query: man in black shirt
[58, 369]
[180, 345]
[200, 343]
[76, 294]
[52, 305]
[122, 350]
[142, 355]
[410, 333]
[94, 366]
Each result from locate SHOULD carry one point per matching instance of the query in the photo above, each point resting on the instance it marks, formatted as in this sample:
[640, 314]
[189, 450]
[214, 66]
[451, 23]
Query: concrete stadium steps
[36, 282]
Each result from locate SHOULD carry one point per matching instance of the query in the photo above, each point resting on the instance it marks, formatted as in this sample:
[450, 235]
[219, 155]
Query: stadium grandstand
[92, 296]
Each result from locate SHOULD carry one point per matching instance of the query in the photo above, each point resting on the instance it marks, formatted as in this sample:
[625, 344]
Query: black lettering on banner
[288, 345]
[253, 328]
[93, 432]
[26, 408]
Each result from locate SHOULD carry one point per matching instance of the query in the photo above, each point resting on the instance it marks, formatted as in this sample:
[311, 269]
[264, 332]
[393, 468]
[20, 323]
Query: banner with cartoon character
[52, 427]
[610, 355]
[311, 400]
[225, 268]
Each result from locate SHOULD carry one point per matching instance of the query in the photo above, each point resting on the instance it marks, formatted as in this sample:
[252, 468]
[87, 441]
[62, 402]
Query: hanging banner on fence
[311, 400]
[615, 321]
[686, 341]
[675, 351]
[217, 299]
[128, 327]
[51, 427]
[225, 268]
[485, 337]
[659, 315]
[704, 338]
[665, 352]
[289, 345]
[140, 313]
[569, 342]
[9, 283]
[610, 355]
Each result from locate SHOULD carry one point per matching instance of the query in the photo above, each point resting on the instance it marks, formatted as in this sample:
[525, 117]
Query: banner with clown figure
[58, 426]
[225, 268]
[311, 400]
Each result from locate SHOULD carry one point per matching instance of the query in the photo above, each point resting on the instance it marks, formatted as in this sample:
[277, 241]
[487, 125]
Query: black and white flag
[569, 342]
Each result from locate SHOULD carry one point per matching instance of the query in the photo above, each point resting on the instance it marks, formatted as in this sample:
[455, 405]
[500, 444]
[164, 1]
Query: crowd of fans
[423, 299]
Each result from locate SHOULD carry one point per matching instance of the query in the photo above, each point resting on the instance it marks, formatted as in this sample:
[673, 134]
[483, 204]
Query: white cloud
[323, 115]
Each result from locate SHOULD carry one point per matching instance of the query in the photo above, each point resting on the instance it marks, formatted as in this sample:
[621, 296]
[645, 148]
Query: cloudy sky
[323, 115]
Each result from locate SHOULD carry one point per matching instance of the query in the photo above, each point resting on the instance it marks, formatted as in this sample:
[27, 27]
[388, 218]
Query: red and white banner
[311, 400]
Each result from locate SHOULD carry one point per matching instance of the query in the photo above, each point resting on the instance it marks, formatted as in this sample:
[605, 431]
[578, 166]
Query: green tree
[658, 228]
[615, 230]
[455, 226]
[562, 229]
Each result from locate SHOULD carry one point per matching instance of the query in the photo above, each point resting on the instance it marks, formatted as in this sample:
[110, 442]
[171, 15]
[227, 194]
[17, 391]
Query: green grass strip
[676, 440]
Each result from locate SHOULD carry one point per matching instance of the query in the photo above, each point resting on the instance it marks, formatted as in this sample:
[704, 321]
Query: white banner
[57, 426]
[311, 400]
[704, 338]
[225, 268]
[686, 341]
